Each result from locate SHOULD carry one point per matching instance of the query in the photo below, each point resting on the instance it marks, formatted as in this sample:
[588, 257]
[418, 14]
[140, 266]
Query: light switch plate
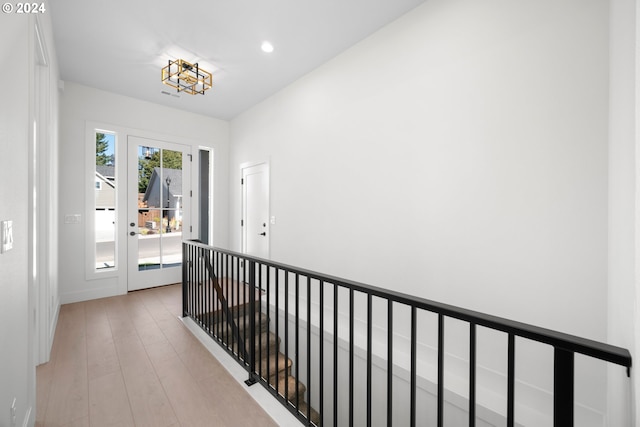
[7, 236]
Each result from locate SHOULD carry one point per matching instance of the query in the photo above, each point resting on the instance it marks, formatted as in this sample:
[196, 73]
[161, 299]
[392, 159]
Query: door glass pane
[172, 191]
[105, 200]
[149, 212]
[159, 208]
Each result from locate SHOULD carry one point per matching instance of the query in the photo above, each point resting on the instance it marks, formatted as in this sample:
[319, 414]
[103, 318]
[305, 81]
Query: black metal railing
[329, 327]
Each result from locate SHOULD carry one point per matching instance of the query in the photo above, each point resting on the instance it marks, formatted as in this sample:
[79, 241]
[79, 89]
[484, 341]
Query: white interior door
[255, 210]
[158, 211]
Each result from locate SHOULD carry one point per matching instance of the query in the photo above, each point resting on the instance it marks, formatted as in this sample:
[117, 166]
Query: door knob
[264, 233]
[133, 233]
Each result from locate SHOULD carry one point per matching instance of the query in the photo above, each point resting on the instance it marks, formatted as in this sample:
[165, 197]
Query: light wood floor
[129, 361]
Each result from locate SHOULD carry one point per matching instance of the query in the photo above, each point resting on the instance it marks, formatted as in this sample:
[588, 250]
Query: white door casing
[255, 210]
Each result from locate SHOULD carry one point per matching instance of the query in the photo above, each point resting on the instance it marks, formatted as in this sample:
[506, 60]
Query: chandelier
[186, 77]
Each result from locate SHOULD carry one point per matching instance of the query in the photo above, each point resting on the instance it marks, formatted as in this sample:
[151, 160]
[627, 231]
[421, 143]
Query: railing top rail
[560, 340]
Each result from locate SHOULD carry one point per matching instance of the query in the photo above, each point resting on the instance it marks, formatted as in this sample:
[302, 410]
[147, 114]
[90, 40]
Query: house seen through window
[105, 200]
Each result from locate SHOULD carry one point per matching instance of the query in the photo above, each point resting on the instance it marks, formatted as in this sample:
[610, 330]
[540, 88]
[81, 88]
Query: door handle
[264, 233]
[133, 233]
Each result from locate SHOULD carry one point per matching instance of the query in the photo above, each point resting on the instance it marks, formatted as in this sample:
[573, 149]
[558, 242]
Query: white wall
[623, 202]
[81, 104]
[44, 173]
[25, 275]
[458, 154]
[16, 366]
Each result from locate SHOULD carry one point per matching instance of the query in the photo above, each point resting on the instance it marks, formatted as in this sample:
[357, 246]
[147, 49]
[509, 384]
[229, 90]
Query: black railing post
[563, 371]
[185, 272]
[252, 324]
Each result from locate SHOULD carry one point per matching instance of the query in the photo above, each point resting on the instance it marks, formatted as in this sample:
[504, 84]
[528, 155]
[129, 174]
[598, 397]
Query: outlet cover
[6, 234]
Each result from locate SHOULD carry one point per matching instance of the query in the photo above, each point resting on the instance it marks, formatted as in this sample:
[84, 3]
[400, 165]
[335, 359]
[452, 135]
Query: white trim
[247, 165]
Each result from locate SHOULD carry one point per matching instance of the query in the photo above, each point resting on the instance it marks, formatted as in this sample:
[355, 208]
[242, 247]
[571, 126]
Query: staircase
[271, 365]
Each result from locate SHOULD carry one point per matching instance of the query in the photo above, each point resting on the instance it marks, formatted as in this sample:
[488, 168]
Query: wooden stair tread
[291, 386]
[315, 416]
[242, 322]
[282, 364]
[266, 340]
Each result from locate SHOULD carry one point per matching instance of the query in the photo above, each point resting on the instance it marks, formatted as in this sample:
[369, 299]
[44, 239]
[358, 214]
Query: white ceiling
[121, 45]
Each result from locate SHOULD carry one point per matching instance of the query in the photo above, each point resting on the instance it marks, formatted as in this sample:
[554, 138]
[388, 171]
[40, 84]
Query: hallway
[129, 361]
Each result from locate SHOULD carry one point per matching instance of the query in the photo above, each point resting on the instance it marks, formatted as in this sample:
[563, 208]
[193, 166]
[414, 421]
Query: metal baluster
[335, 355]
[286, 335]
[412, 413]
[472, 375]
[235, 298]
[231, 321]
[308, 348]
[258, 313]
[389, 362]
[369, 351]
[268, 338]
[563, 387]
[511, 378]
[225, 293]
[321, 351]
[351, 346]
[252, 324]
[215, 259]
[200, 282]
[203, 285]
[245, 302]
[440, 370]
[200, 300]
[277, 325]
[297, 333]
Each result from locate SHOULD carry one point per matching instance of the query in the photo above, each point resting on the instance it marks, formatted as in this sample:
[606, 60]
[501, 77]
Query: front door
[158, 211]
[255, 210]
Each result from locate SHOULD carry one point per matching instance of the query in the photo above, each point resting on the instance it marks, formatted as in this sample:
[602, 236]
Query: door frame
[100, 284]
[133, 272]
[248, 165]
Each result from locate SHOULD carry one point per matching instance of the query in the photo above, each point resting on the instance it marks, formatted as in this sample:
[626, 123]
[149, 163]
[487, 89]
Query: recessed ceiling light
[267, 47]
